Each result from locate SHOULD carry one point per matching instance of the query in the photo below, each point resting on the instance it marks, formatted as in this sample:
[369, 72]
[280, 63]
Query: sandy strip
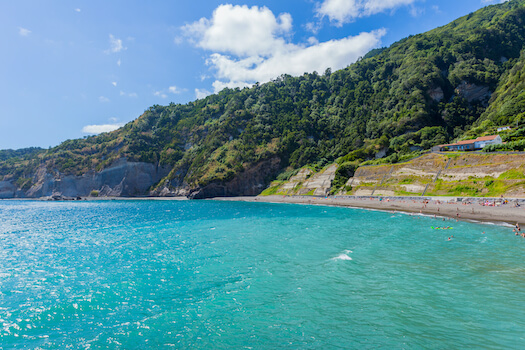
[439, 206]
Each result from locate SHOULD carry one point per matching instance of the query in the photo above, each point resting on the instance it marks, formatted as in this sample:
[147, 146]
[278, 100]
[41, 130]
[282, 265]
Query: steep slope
[432, 174]
[423, 90]
[507, 105]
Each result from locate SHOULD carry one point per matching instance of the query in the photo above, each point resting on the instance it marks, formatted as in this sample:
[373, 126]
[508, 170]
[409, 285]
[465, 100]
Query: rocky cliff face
[306, 182]
[7, 189]
[129, 179]
[123, 178]
[251, 182]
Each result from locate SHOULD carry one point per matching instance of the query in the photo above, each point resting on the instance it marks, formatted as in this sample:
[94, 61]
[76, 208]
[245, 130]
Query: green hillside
[460, 80]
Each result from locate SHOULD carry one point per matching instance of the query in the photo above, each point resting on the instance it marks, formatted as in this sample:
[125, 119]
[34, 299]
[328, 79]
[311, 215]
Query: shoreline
[452, 207]
[449, 207]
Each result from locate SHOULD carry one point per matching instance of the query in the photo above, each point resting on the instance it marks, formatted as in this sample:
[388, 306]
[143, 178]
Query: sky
[74, 68]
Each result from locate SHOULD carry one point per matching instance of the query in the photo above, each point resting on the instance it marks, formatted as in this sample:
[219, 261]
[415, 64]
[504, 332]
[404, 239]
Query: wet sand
[439, 206]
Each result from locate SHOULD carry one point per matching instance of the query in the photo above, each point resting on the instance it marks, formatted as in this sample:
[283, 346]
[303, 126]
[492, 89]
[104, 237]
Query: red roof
[468, 142]
[486, 138]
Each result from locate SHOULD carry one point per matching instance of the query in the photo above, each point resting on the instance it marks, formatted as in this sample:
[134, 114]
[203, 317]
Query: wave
[343, 256]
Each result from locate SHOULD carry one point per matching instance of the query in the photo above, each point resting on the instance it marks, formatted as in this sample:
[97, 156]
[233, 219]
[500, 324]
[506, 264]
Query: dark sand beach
[476, 209]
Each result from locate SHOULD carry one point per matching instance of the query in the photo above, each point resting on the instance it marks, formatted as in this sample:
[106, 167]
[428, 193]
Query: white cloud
[344, 11]
[78, 10]
[23, 31]
[119, 62]
[172, 90]
[114, 83]
[201, 93]
[416, 11]
[175, 90]
[129, 94]
[160, 94]
[240, 30]
[103, 99]
[249, 45]
[115, 45]
[295, 60]
[98, 129]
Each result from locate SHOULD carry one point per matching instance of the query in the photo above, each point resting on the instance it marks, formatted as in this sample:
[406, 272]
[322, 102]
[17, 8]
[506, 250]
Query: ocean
[231, 275]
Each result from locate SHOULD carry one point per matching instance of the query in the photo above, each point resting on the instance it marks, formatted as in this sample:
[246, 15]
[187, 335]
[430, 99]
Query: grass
[274, 188]
[407, 194]
[407, 181]
[512, 174]
[488, 188]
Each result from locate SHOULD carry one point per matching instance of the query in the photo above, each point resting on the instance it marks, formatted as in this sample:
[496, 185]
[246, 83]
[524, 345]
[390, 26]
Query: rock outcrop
[307, 182]
[7, 189]
[121, 179]
[436, 94]
[473, 92]
[250, 182]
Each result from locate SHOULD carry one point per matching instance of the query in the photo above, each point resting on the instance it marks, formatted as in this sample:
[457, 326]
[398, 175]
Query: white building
[481, 142]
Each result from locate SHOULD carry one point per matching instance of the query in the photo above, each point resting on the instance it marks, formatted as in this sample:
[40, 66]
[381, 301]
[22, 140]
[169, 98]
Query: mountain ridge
[457, 81]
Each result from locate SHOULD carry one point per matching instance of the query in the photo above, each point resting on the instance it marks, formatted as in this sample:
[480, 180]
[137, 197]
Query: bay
[213, 274]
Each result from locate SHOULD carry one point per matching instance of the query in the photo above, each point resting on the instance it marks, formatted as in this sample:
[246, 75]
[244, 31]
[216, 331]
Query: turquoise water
[224, 275]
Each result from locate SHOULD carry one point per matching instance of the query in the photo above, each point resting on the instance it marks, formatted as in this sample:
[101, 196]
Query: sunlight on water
[206, 274]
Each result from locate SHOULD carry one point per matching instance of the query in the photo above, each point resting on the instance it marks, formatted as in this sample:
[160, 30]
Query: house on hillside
[481, 142]
[503, 128]
[469, 145]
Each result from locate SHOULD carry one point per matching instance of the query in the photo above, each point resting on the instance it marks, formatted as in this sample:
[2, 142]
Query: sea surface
[232, 275]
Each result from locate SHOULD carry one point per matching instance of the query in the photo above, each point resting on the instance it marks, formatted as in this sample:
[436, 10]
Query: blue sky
[74, 68]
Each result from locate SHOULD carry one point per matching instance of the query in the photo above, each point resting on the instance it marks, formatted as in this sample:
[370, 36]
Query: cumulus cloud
[115, 45]
[240, 30]
[250, 45]
[343, 11]
[201, 93]
[295, 60]
[23, 31]
[103, 99]
[175, 90]
[98, 129]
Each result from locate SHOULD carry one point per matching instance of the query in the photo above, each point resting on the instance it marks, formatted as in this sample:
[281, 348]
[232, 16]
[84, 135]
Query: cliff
[122, 178]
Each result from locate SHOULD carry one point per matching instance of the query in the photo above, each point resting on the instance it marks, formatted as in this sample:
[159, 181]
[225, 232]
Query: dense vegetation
[424, 90]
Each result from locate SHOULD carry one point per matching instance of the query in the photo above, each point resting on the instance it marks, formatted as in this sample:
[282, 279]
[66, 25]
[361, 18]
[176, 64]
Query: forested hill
[460, 80]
